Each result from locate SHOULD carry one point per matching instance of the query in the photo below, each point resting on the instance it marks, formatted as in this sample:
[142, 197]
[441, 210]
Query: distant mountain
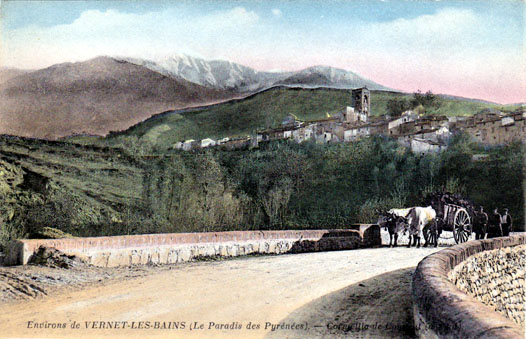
[94, 97]
[324, 76]
[8, 73]
[231, 76]
[106, 94]
[216, 74]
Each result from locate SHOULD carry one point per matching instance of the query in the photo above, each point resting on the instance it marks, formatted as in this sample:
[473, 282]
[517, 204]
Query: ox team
[417, 220]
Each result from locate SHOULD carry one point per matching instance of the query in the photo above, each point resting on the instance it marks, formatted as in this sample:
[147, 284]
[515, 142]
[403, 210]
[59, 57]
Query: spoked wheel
[462, 226]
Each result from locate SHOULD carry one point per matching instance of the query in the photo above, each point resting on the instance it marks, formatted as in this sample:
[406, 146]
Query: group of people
[492, 226]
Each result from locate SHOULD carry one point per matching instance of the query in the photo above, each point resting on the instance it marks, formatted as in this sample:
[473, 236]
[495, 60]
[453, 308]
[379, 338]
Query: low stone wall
[181, 247]
[495, 278]
[442, 310]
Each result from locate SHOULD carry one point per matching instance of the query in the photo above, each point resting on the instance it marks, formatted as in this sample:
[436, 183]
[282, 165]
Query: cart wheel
[462, 226]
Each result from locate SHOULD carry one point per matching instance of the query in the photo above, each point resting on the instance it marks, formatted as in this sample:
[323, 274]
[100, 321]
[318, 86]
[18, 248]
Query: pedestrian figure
[480, 224]
[506, 223]
[494, 225]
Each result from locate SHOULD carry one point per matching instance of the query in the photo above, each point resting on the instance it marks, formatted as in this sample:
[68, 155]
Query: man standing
[494, 227]
[480, 224]
[506, 222]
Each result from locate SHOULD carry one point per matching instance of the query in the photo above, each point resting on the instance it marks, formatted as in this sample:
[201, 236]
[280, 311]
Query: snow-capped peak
[229, 75]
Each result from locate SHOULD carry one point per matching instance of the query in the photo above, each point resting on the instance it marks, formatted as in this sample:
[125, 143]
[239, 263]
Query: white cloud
[148, 35]
[448, 46]
[235, 17]
[445, 28]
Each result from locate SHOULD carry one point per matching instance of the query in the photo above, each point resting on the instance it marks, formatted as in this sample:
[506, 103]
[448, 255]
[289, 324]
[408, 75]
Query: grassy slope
[105, 175]
[262, 110]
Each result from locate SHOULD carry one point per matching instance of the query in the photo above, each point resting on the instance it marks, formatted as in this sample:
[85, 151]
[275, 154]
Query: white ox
[400, 212]
[419, 219]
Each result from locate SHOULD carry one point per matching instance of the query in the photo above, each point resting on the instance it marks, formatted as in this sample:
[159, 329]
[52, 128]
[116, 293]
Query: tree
[397, 106]
[427, 100]
[275, 202]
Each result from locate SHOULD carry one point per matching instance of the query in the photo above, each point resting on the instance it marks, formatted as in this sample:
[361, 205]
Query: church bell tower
[361, 100]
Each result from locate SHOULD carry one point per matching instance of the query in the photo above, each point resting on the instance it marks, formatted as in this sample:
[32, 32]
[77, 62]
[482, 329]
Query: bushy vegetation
[280, 185]
[15, 204]
[397, 106]
[420, 103]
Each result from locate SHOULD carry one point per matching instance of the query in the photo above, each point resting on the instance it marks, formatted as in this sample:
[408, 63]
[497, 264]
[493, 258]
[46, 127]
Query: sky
[473, 49]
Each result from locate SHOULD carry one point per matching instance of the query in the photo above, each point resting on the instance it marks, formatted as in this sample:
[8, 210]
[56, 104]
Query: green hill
[262, 110]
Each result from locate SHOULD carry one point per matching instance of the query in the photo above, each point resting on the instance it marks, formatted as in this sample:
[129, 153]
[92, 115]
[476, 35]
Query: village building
[423, 146]
[420, 124]
[421, 134]
[190, 144]
[358, 131]
[208, 143]
[222, 141]
[499, 129]
[236, 143]
[406, 117]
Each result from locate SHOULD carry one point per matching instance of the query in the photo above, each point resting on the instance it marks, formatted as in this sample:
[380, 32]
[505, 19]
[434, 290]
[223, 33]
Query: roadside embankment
[181, 247]
[472, 290]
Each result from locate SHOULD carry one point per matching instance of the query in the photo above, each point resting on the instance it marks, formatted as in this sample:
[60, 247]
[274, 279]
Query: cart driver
[480, 224]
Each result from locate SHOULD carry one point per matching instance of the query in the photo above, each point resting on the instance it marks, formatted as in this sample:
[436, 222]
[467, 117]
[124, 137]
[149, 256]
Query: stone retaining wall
[180, 247]
[495, 278]
[442, 310]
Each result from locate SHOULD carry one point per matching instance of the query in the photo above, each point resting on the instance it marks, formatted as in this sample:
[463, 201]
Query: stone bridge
[363, 292]
[182, 247]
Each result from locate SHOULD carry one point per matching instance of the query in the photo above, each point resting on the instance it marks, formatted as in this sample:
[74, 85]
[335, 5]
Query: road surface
[272, 295]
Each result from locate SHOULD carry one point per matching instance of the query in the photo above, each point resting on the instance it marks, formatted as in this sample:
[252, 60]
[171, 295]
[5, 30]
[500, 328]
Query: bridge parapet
[179, 247]
[442, 310]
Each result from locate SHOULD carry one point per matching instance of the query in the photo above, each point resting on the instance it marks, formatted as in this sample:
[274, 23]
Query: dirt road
[219, 298]
[380, 307]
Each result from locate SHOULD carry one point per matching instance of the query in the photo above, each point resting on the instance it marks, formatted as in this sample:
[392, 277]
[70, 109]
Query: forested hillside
[88, 190]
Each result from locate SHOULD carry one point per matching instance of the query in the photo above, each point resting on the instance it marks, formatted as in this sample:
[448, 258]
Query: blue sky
[465, 48]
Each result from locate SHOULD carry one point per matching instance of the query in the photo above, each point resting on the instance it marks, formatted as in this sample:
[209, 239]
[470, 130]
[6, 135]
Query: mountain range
[108, 94]
[231, 76]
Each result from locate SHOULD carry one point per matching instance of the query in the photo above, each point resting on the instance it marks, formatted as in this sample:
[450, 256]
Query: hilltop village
[422, 134]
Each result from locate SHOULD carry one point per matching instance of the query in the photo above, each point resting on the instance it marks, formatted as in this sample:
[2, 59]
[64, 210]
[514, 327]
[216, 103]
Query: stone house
[303, 133]
[323, 137]
[208, 143]
[380, 127]
[423, 146]
[419, 124]
[236, 143]
[277, 133]
[500, 129]
[350, 115]
[440, 134]
[190, 144]
[487, 114]
[406, 117]
[222, 141]
[458, 122]
[355, 132]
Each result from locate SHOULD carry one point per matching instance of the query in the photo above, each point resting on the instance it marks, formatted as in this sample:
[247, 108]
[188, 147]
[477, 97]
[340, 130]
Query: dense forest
[280, 185]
